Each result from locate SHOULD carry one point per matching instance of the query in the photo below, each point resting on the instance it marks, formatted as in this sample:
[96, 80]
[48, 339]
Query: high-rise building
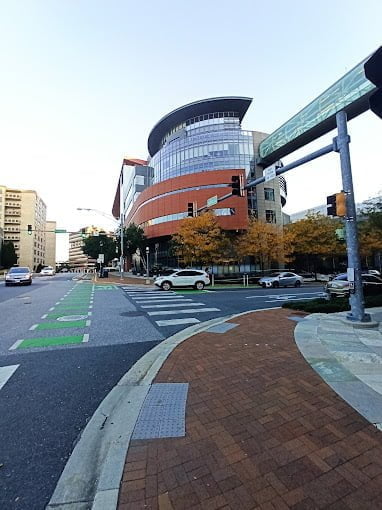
[23, 219]
[50, 249]
[77, 258]
[194, 151]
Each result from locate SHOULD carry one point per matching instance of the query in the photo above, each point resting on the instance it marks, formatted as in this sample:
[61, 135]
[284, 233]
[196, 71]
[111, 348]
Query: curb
[92, 475]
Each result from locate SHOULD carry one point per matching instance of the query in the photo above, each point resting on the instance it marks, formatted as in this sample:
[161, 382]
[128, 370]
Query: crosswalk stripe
[6, 373]
[191, 310]
[158, 298]
[173, 305]
[175, 322]
[142, 301]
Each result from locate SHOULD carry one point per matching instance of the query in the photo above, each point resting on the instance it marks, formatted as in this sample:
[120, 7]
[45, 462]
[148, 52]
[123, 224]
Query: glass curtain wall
[213, 143]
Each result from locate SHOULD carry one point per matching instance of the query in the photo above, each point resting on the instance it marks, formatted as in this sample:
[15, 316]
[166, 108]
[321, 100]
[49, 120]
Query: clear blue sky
[84, 81]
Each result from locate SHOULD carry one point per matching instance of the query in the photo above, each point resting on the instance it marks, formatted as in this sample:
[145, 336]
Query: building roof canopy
[188, 111]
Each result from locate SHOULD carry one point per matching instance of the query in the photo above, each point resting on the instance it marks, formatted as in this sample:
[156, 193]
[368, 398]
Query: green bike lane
[65, 323]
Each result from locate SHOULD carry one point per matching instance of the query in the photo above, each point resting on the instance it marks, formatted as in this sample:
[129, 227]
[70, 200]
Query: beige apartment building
[77, 258]
[23, 220]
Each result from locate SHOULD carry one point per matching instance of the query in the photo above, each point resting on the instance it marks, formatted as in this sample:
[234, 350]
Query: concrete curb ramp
[92, 475]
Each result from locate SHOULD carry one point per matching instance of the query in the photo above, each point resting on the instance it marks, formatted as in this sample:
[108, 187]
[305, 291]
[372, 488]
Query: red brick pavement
[263, 431]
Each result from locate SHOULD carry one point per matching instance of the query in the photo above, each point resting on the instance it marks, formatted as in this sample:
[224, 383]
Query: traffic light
[373, 72]
[341, 204]
[237, 185]
[336, 204]
[30, 230]
[192, 209]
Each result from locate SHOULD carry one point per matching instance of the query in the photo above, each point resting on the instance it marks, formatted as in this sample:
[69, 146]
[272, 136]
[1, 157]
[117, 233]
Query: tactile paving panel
[221, 328]
[163, 412]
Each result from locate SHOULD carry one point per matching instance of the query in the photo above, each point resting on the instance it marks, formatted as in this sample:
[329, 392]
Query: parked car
[339, 286]
[375, 272]
[184, 278]
[281, 279]
[47, 271]
[18, 276]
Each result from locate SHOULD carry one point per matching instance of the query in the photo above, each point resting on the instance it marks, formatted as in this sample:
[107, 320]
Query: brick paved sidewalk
[263, 431]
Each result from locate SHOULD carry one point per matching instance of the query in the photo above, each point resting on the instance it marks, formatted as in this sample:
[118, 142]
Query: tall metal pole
[342, 141]
[122, 253]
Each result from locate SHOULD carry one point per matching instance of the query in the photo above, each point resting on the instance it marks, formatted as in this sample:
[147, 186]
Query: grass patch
[321, 305]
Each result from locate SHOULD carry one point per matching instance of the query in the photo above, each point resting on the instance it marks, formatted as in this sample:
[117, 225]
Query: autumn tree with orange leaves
[266, 243]
[199, 240]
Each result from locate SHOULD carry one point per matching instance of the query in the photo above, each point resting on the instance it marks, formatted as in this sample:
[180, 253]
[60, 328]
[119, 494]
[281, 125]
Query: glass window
[269, 194]
[270, 216]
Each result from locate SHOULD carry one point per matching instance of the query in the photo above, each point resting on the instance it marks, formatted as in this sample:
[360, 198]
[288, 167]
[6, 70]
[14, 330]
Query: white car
[18, 276]
[47, 271]
[184, 278]
[281, 279]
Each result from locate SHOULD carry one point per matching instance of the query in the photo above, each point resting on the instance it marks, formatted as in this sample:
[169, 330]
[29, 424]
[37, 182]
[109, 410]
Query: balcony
[13, 213]
[13, 204]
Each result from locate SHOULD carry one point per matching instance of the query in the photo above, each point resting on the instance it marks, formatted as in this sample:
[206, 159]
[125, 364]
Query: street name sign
[269, 173]
[212, 201]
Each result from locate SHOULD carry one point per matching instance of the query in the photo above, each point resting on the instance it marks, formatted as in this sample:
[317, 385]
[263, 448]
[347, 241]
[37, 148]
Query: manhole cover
[68, 318]
[132, 314]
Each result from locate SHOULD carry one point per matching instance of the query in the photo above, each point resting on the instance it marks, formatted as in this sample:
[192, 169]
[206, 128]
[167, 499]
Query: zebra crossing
[167, 303]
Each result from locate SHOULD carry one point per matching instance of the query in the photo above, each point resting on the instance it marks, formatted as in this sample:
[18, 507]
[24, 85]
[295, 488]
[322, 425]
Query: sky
[84, 81]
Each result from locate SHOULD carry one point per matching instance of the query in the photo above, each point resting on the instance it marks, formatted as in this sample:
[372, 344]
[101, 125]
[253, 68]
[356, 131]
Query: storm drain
[221, 328]
[163, 412]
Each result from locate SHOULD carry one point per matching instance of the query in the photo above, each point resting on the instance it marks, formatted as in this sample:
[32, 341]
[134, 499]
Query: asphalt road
[64, 344]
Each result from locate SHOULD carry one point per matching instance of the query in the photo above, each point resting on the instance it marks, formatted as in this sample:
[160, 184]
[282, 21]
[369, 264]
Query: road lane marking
[282, 295]
[33, 327]
[158, 298]
[85, 338]
[175, 322]
[44, 316]
[15, 345]
[59, 325]
[49, 341]
[6, 373]
[191, 310]
[172, 305]
[154, 300]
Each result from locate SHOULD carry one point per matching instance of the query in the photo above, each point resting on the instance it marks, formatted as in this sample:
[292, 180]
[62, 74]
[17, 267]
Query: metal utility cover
[163, 412]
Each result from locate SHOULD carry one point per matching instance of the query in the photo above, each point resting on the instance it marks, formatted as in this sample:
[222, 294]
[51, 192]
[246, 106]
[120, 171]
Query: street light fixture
[147, 261]
[119, 223]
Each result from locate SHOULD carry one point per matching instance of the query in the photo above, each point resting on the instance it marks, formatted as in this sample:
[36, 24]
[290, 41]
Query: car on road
[281, 279]
[184, 278]
[18, 276]
[339, 286]
[47, 271]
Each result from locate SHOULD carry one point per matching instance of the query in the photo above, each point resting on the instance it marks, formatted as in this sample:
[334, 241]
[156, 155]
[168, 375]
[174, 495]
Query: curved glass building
[193, 153]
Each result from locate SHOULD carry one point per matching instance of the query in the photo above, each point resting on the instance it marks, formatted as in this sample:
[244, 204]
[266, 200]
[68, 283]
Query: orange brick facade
[144, 210]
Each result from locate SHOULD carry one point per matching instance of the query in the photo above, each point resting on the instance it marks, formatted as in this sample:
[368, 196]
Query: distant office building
[21, 210]
[193, 153]
[50, 250]
[322, 209]
[77, 258]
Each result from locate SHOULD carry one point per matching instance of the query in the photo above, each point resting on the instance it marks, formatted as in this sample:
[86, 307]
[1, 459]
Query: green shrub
[321, 305]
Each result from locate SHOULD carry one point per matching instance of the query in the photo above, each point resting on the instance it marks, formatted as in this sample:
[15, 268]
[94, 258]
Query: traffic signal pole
[341, 145]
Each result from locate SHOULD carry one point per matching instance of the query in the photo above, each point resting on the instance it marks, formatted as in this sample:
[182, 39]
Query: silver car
[18, 276]
[281, 279]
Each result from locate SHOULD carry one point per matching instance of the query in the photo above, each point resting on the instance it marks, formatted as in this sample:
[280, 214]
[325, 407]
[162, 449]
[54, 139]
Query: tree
[8, 255]
[133, 238]
[199, 240]
[370, 230]
[315, 236]
[94, 245]
[265, 242]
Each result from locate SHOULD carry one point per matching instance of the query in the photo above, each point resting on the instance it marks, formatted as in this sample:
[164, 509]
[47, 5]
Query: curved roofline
[210, 105]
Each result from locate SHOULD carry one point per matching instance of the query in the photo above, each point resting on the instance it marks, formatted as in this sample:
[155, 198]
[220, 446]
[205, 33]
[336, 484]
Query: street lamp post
[120, 223]
[147, 261]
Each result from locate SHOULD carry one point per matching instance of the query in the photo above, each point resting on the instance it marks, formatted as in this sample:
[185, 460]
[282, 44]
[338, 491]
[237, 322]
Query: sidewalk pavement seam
[96, 464]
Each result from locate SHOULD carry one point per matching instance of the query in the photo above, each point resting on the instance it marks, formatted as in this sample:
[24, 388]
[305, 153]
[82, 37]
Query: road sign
[212, 201]
[60, 231]
[269, 173]
[101, 257]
